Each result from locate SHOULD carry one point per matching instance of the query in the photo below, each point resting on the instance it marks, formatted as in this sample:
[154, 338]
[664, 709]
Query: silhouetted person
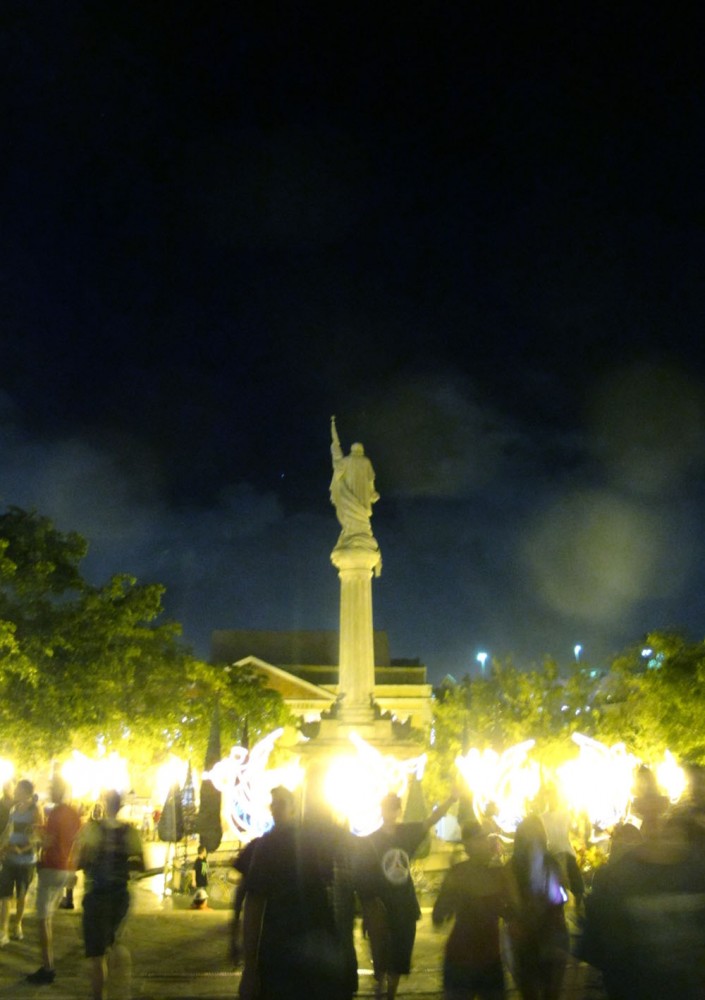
[108, 851]
[477, 895]
[298, 915]
[556, 821]
[645, 925]
[648, 803]
[283, 809]
[537, 931]
[594, 945]
[390, 907]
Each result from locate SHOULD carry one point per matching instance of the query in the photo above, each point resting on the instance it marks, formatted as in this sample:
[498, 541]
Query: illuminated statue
[352, 492]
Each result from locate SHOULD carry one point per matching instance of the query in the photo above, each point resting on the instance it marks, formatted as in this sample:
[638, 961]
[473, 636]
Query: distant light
[577, 650]
[646, 652]
[482, 660]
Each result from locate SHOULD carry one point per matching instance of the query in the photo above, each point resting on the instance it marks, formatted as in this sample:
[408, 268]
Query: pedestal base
[333, 739]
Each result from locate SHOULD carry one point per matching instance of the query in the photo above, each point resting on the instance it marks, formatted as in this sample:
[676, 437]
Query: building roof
[290, 686]
[302, 648]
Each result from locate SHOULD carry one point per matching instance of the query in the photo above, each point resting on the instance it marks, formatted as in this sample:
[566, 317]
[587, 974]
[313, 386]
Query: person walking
[283, 810]
[6, 803]
[20, 841]
[57, 836]
[389, 904]
[538, 934]
[478, 895]
[299, 910]
[108, 851]
[645, 923]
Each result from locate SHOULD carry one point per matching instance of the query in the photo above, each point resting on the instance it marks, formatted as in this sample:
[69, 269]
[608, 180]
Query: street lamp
[577, 650]
[482, 660]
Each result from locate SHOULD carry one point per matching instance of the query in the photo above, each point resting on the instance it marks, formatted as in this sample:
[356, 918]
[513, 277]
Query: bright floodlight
[577, 650]
[172, 772]
[482, 660]
[355, 785]
[671, 777]
[7, 770]
[509, 780]
[88, 777]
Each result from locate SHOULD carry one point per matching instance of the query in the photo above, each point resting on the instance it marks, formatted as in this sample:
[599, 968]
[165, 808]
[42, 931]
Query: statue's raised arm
[335, 448]
[352, 491]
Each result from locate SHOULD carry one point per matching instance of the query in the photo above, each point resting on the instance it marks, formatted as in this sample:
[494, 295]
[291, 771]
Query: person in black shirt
[389, 903]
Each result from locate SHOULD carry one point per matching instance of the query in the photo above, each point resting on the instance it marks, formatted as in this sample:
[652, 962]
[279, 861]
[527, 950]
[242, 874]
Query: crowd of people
[53, 843]
[640, 921]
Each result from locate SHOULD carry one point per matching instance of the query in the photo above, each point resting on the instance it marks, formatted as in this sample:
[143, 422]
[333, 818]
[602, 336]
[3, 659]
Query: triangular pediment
[290, 687]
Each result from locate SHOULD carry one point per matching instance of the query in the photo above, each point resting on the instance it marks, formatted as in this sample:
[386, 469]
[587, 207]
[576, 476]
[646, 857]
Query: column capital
[349, 558]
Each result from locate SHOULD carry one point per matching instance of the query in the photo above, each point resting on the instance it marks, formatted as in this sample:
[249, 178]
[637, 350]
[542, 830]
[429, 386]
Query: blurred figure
[390, 907]
[6, 803]
[59, 832]
[107, 851]
[299, 911]
[200, 876]
[594, 947]
[200, 900]
[478, 895]
[648, 804]
[538, 934]
[20, 844]
[645, 927]
[556, 822]
[691, 805]
[283, 809]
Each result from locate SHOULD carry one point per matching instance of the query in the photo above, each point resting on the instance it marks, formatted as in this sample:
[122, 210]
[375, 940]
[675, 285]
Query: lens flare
[509, 780]
[671, 778]
[7, 770]
[89, 777]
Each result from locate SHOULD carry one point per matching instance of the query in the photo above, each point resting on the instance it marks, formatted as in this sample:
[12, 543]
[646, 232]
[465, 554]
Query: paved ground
[173, 953]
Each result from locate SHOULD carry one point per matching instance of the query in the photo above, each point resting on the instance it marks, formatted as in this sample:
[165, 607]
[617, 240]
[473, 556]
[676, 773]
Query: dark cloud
[474, 237]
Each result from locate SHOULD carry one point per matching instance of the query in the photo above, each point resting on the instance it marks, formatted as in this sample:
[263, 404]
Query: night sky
[475, 236]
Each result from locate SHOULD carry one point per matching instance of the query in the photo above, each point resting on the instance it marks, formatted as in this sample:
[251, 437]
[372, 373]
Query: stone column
[356, 679]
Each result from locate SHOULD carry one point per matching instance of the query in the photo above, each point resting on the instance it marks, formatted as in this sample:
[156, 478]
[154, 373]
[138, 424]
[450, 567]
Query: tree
[654, 700]
[507, 707]
[247, 709]
[80, 663]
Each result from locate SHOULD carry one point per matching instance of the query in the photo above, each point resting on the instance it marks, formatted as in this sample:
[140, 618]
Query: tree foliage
[656, 698]
[649, 702]
[80, 663]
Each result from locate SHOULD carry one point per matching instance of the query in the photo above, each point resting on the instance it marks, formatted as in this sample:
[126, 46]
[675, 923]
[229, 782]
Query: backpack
[107, 862]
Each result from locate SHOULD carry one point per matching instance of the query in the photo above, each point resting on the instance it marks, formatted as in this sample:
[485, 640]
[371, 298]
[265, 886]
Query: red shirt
[62, 825]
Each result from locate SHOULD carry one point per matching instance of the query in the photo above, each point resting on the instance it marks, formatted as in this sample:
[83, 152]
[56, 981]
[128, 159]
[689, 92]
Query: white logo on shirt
[395, 865]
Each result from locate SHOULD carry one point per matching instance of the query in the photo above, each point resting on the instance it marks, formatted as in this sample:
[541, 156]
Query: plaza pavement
[179, 954]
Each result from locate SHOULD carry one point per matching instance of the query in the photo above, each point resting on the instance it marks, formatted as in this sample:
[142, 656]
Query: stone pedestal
[356, 678]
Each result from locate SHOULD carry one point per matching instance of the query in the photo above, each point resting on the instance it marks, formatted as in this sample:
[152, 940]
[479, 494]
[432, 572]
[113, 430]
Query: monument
[357, 557]
[341, 683]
